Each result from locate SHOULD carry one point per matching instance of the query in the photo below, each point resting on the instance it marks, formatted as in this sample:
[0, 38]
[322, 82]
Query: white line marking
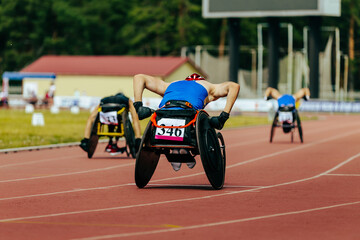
[173, 178]
[66, 174]
[69, 191]
[344, 175]
[219, 223]
[181, 200]
[203, 185]
[38, 161]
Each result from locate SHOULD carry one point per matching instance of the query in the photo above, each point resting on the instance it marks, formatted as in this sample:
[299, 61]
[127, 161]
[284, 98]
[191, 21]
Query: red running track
[280, 190]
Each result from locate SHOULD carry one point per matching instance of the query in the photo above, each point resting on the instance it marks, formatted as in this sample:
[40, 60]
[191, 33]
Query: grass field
[16, 129]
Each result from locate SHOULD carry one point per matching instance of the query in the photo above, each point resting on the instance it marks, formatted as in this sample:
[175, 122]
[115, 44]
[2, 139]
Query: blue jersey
[189, 91]
[286, 100]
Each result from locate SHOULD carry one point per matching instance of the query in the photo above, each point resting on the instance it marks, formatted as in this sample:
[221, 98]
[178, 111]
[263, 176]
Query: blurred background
[68, 54]
[32, 29]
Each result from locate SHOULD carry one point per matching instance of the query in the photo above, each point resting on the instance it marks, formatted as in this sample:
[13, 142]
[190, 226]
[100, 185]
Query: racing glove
[218, 122]
[84, 144]
[143, 112]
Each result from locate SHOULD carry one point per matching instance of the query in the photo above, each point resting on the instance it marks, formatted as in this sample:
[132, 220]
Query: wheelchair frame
[207, 145]
[100, 129]
[296, 123]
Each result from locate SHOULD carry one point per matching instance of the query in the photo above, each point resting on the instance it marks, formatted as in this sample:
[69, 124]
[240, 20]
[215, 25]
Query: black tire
[146, 160]
[298, 121]
[210, 152]
[129, 135]
[94, 138]
[222, 147]
[273, 126]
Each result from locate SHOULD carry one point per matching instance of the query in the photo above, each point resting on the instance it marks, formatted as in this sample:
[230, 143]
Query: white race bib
[109, 118]
[285, 117]
[172, 134]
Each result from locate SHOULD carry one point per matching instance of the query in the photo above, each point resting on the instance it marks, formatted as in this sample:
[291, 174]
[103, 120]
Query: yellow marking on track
[171, 226]
[98, 224]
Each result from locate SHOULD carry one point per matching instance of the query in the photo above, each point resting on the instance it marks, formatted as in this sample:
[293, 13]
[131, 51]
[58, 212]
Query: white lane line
[264, 156]
[67, 174]
[202, 185]
[38, 161]
[344, 175]
[258, 141]
[181, 200]
[69, 191]
[186, 176]
[116, 186]
[229, 146]
[214, 224]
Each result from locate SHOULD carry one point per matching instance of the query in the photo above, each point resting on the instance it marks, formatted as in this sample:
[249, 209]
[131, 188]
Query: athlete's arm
[154, 84]
[272, 92]
[226, 89]
[302, 93]
[90, 122]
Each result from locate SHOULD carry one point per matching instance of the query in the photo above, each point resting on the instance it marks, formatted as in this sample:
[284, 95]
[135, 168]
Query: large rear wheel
[146, 160]
[210, 152]
[273, 126]
[298, 121]
[222, 147]
[129, 135]
[94, 138]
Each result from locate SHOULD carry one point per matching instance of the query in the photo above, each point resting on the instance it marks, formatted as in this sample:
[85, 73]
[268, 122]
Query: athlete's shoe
[176, 165]
[306, 98]
[84, 144]
[109, 147]
[115, 150]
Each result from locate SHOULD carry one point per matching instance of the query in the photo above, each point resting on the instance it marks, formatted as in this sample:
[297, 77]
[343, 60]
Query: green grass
[16, 129]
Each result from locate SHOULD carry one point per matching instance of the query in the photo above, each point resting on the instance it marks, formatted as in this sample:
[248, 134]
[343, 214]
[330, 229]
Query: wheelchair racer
[112, 147]
[287, 100]
[194, 89]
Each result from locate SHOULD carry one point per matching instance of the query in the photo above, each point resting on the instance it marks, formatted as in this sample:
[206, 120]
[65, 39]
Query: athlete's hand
[143, 112]
[218, 122]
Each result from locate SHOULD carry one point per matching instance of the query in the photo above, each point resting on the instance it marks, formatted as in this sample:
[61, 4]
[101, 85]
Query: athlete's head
[194, 77]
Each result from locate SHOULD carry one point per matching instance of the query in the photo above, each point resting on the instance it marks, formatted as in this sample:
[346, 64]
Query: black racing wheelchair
[184, 128]
[112, 120]
[287, 118]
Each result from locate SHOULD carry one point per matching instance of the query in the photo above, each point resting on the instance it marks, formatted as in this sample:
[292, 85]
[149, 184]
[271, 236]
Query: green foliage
[32, 28]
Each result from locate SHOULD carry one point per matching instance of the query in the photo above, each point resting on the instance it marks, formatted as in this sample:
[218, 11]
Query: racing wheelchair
[183, 128]
[112, 121]
[287, 117]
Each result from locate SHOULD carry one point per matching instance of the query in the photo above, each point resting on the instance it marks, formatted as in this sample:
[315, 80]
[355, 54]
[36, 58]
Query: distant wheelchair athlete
[110, 119]
[180, 129]
[287, 116]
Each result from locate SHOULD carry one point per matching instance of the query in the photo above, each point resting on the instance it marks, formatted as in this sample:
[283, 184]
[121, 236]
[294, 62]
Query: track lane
[173, 191]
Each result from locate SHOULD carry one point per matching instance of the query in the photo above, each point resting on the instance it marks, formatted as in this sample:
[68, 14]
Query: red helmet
[195, 77]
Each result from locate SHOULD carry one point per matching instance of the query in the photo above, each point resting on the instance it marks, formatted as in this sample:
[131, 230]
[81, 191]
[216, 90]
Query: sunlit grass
[16, 129]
